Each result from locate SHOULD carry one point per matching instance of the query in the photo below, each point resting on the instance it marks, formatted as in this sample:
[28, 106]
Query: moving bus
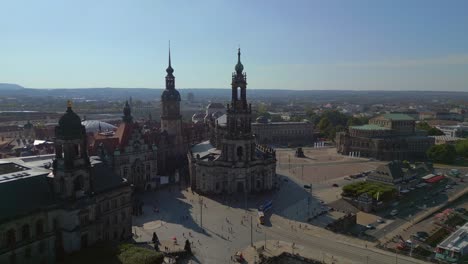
[261, 217]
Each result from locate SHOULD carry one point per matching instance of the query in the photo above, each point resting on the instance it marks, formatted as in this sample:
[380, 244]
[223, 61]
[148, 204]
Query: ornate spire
[169, 69]
[69, 106]
[239, 67]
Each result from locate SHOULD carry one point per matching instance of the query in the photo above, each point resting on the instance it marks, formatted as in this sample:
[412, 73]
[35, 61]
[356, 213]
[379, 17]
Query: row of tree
[448, 153]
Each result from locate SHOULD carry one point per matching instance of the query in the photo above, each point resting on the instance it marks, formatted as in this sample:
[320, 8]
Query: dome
[239, 67]
[69, 125]
[93, 126]
[170, 95]
[217, 114]
[28, 125]
[262, 119]
[198, 115]
[70, 119]
[215, 106]
[169, 70]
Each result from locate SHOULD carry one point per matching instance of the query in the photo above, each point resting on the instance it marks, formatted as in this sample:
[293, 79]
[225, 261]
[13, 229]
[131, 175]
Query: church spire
[169, 69]
[239, 67]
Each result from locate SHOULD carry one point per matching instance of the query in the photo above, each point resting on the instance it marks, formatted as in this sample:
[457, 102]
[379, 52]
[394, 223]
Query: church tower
[171, 120]
[239, 143]
[127, 117]
[71, 167]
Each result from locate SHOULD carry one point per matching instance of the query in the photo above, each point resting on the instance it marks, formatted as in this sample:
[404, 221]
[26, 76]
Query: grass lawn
[115, 254]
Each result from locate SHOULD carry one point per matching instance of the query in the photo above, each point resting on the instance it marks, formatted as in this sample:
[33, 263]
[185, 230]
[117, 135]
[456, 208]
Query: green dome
[239, 67]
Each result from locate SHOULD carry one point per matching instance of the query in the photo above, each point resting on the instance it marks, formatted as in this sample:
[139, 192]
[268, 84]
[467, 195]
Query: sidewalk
[275, 248]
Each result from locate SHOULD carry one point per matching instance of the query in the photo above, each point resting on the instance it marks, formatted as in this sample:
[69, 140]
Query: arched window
[25, 232]
[11, 237]
[39, 227]
[78, 183]
[239, 153]
[62, 185]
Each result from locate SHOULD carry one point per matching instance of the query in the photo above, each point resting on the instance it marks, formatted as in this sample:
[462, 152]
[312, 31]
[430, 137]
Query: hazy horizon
[309, 45]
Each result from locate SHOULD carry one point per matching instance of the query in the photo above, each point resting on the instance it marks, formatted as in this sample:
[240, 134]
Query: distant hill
[10, 86]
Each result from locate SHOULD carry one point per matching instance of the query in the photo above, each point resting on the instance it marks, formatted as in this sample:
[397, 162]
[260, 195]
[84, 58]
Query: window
[122, 201]
[41, 247]
[39, 227]
[98, 210]
[11, 237]
[239, 153]
[115, 219]
[13, 258]
[78, 183]
[122, 214]
[25, 232]
[107, 206]
[27, 252]
[114, 204]
[62, 185]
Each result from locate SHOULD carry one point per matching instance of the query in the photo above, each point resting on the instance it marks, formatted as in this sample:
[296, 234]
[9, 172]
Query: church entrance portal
[240, 187]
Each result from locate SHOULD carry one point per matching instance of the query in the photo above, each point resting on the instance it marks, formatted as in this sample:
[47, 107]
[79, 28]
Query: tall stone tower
[171, 120]
[239, 143]
[71, 165]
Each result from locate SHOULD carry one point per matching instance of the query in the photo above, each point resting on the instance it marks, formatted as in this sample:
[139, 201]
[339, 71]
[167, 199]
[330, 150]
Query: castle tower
[171, 120]
[127, 117]
[239, 144]
[71, 166]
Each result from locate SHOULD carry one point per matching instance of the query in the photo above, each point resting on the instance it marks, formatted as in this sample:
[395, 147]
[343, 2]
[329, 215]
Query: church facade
[231, 161]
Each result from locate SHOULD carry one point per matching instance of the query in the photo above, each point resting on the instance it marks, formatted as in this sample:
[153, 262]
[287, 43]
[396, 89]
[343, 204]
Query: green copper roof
[369, 127]
[396, 116]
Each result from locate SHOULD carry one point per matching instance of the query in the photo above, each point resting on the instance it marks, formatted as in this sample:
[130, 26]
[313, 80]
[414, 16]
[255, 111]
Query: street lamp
[200, 201]
[308, 198]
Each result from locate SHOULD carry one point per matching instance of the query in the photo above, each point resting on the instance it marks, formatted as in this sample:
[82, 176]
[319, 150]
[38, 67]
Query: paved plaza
[220, 226]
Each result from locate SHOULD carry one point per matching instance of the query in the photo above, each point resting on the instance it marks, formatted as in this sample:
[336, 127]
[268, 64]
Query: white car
[394, 212]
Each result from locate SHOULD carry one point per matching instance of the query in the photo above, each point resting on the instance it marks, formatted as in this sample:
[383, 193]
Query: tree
[462, 148]
[431, 131]
[155, 238]
[435, 132]
[187, 247]
[156, 247]
[444, 153]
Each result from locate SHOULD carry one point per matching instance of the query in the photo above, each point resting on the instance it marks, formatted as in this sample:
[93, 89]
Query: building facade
[61, 203]
[231, 161]
[283, 133]
[386, 137]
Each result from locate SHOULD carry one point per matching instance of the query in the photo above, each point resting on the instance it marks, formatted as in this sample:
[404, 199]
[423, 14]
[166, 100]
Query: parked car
[380, 221]
[394, 212]
[335, 185]
[369, 226]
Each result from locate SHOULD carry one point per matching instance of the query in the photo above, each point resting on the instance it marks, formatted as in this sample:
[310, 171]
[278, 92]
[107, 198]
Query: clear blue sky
[418, 45]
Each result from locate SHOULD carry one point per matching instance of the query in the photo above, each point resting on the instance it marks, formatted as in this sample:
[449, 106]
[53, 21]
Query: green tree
[462, 148]
[435, 132]
[444, 153]
[187, 247]
[431, 131]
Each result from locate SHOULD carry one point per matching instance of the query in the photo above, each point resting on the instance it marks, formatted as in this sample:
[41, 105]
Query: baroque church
[231, 160]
